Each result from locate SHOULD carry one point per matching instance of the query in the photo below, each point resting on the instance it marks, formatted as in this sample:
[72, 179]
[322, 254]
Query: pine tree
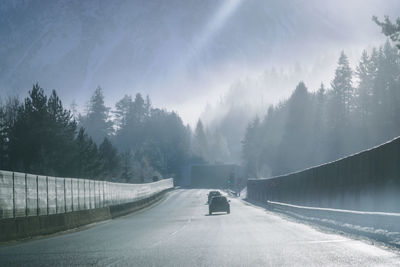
[109, 159]
[87, 156]
[366, 73]
[386, 93]
[297, 130]
[251, 148]
[29, 135]
[61, 137]
[200, 142]
[96, 121]
[389, 28]
[342, 85]
[319, 126]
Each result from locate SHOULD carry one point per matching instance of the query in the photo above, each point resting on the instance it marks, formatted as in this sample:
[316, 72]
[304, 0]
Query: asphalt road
[179, 232]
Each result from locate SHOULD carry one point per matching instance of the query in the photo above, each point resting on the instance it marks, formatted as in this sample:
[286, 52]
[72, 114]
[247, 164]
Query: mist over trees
[228, 118]
[312, 128]
[209, 146]
[135, 142]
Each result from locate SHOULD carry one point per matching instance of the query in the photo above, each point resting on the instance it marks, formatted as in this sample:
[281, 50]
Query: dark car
[212, 194]
[219, 203]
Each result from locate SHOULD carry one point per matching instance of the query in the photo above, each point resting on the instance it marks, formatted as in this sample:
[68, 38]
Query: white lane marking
[337, 210]
[321, 241]
[173, 233]
[180, 229]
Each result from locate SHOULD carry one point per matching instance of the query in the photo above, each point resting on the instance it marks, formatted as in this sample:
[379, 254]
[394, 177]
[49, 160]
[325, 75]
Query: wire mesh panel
[106, 194]
[114, 194]
[101, 194]
[97, 194]
[51, 195]
[119, 193]
[75, 194]
[123, 193]
[68, 194]
[32, 196]
[6, 195]
[110, 188]
[142, 191]
[42, 194]
[60, 195]
[19, 194]
[81, 199]
[87, 194]
[92, 194]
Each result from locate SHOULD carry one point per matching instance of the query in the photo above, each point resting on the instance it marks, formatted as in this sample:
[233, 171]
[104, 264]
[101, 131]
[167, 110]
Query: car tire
[209, 212]
[228, 211]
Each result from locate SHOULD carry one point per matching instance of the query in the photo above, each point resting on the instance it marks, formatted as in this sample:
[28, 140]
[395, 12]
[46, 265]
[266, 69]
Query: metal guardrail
[23, 194]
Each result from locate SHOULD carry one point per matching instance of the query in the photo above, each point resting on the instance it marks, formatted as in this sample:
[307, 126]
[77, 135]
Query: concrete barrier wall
[367, 181]
[26, 195]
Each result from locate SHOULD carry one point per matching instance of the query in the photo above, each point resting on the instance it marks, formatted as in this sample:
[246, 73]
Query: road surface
[179, 232]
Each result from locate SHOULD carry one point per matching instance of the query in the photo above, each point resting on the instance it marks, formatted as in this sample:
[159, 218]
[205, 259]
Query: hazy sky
[184, 54]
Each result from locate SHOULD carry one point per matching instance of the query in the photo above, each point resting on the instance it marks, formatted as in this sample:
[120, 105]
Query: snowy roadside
[379, 226]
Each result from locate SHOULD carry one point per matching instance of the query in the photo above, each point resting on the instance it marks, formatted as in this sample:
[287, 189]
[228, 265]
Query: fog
[146, 104]
[185, 55]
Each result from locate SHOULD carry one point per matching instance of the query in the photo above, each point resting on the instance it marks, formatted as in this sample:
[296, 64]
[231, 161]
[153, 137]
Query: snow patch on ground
[379, 226]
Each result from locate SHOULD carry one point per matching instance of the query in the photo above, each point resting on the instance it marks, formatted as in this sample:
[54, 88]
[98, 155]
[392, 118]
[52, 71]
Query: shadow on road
[216, 214]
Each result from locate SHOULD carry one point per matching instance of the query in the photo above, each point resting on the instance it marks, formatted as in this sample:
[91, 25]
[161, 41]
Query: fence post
[94, 193]
[65, 198]
[90, 195]
[37, 195]
[79, 196]
[98, 197]
[47, 194]
[84, 194]
[72, 196]
[98, 194]
[13, 182]
[55, 183]
[104, 195]
[26, 196]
